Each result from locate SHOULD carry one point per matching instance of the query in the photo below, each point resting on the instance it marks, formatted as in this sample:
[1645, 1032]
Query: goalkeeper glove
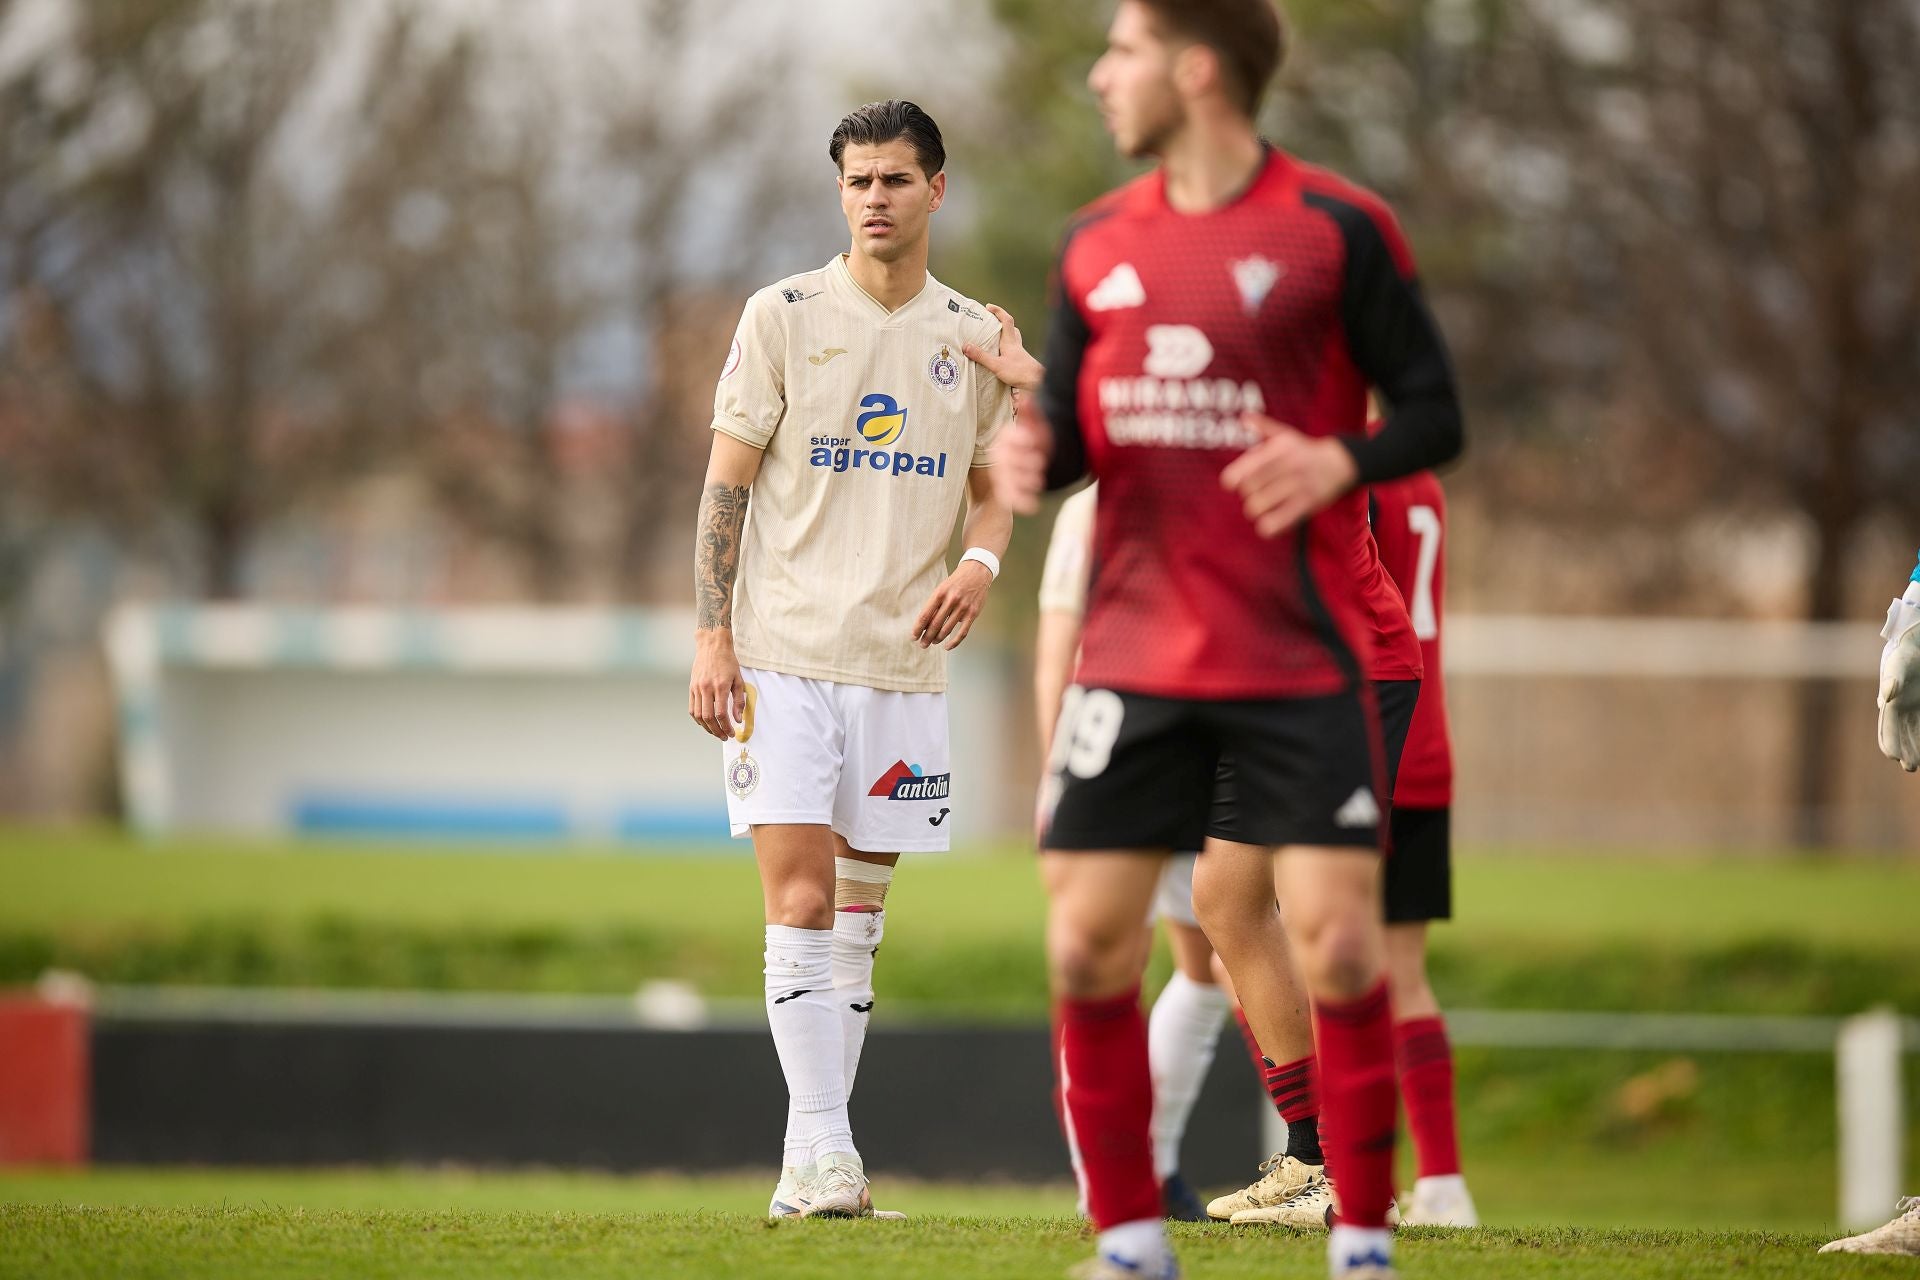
[1900, 682]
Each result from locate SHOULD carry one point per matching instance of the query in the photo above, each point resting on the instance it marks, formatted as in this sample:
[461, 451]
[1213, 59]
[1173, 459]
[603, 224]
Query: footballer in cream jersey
[850, 431]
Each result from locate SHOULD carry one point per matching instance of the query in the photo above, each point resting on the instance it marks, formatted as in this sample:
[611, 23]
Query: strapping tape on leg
[860, 885]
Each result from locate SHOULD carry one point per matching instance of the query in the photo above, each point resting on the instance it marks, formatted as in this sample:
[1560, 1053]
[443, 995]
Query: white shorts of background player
[819, 751]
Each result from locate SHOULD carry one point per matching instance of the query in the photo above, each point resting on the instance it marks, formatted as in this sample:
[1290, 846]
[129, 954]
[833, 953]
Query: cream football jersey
[1064, 580]
[869, 421]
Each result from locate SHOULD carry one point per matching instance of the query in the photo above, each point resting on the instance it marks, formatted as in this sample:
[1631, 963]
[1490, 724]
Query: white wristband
[985, 557]
[1903, 615]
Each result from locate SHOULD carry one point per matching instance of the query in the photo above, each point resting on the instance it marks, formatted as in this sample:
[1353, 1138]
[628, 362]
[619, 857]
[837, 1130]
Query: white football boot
[1283, 1178]
[1440, 1202]
[1308, 1209]
[1902, 1235]
[839, 1188]
[791, 1193]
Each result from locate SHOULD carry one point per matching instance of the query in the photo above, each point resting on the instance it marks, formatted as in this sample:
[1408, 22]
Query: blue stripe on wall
[345, 813]
[361, 815]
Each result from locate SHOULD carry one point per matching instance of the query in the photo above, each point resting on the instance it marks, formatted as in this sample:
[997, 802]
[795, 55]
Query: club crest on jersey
[944, 370]
[733, 361]
[743, 774]
[1255, 277]
[883, 420]
[909, 782]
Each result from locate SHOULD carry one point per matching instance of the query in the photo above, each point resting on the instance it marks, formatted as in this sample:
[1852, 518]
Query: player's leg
[1418, 890]
[1095, 902]
[894, 794]
[1182, 1033]
[781, 778]
[1333, 896]
[1133, 776]
[796, 877]
[1311, 777]
[1234, 895]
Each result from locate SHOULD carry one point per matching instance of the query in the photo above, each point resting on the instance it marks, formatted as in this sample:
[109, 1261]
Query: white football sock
[1182, 1031]
[1142, 1244]
[804, 1015]
[1356, 1246]
[856, 937]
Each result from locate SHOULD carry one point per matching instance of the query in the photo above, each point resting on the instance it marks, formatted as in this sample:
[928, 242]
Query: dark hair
[879, 122]
[1246, 35]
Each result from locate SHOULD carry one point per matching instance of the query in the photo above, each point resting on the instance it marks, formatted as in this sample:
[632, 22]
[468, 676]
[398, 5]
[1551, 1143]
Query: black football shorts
[1419, 878]
[1132, 771]
[1394, 701]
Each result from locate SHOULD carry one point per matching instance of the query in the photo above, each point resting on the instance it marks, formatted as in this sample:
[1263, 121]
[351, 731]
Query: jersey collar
[839, 269]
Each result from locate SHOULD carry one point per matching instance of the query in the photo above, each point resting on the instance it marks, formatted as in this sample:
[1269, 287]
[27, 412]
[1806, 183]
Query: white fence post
[1867, 1086]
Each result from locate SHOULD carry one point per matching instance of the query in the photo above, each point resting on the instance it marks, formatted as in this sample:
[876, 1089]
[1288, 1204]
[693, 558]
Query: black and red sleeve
[1067, 337]
[1396, 345]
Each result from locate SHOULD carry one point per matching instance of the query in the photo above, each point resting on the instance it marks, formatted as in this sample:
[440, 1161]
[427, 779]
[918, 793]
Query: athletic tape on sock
[860, 886]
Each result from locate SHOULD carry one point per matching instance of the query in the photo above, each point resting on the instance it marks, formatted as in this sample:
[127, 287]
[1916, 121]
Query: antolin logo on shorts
[878, 425]
[906, 782]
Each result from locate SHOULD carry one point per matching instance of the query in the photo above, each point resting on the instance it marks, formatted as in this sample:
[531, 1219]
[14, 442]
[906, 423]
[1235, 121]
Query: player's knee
[802, 905]
[1341, 956]
[1091, 962]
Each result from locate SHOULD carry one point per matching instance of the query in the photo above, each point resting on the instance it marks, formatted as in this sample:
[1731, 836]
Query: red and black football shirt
[1291, 300]
[1410, 525]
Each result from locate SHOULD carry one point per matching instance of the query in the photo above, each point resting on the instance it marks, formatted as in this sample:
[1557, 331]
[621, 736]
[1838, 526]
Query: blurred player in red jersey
[1217, 325]
[1409, 519]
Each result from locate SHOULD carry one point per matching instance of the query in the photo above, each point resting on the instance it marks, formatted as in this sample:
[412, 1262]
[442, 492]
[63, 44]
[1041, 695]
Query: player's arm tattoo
[716, 556]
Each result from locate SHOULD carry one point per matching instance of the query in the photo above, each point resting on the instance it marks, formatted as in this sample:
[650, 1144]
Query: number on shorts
[1090, 720]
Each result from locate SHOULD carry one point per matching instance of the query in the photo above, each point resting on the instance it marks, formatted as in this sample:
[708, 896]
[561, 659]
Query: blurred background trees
[405, 301]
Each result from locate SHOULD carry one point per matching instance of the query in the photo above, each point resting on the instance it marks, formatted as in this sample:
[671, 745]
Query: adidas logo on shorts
[1360, 810]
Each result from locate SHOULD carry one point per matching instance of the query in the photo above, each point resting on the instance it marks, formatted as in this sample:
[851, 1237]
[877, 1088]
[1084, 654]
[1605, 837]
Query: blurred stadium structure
[551, 726]
[562, 725]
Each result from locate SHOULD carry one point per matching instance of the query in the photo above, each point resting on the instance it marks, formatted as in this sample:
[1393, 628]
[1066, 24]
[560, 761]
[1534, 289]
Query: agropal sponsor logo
[879, 422]
[908, 782]
[1173, 404]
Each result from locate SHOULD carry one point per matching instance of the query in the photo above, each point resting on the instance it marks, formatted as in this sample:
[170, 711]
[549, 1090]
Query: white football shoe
[839, 1188]
[1902, 1235]
[1283, 1177]
[1308, 1209]
[791, 1193]
[1440, 1202]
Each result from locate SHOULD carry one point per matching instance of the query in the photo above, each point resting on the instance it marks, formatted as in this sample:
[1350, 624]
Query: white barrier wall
[513, 724]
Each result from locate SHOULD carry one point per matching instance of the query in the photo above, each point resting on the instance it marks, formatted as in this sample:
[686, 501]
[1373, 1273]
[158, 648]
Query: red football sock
[1355, 1042]
[1426, 1083]
[1260, 1063]
[1108, 1087]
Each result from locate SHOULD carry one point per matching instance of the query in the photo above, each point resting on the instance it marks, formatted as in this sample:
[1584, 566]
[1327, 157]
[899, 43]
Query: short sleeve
[993, 402]
[751, 397]
[1063, 582]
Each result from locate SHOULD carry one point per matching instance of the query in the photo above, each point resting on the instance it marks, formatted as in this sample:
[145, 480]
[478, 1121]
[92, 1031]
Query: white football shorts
[1173, 900]
[870, 763]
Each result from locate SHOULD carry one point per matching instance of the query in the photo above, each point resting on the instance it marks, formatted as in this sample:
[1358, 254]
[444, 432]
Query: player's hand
[1287, 476]
[954, 604]
[717, 696]
[1013, 364]
[1900, 696]
[1020, 454]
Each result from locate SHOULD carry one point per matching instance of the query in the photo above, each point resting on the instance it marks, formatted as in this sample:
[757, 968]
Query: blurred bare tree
[215, 229]
[598, 200]
[1722, 197]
